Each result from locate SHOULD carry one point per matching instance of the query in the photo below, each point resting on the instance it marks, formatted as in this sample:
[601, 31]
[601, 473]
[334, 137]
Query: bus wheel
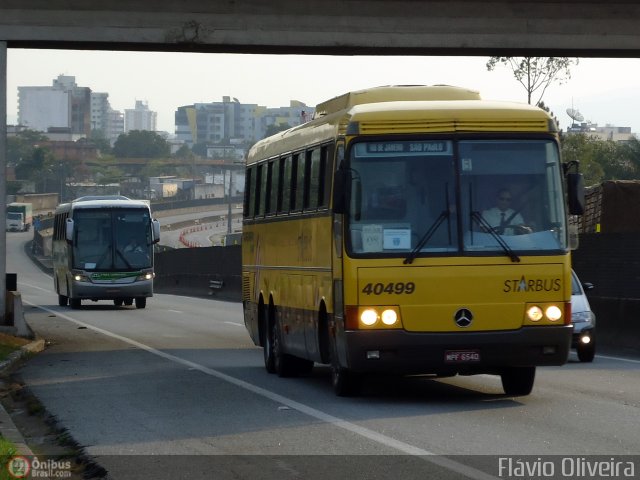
[518, 380]
[344, 382]
[118, 302]
[141, 302]
[284, 364]
[128, 301]
[62, 300]
[267, 348]
[75, 303]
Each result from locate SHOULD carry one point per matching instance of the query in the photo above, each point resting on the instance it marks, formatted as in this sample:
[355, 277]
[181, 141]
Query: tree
[536, 73]
[40, 168]
[141, 144]
[21, 146]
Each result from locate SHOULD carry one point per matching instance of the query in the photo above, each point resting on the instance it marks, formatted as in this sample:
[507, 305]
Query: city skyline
[605, 91]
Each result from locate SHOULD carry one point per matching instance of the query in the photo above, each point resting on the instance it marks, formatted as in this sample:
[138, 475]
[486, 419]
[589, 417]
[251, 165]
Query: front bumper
[111, 291]
[399, 351]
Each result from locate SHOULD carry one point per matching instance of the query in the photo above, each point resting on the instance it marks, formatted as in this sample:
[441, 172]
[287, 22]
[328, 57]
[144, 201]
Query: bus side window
[262, 197]
[325, 174]
[287, 184]
[269, 203]
[281, 181]
[249, 188]
[297, 183]
[312, 178]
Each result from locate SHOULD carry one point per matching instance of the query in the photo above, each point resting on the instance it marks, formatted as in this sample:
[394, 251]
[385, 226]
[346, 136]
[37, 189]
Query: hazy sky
[605, 91]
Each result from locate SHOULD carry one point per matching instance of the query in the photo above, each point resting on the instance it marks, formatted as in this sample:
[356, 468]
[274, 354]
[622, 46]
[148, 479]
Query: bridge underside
[469, 27]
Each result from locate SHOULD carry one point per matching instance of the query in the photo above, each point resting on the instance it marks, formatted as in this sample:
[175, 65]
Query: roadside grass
[9, 344]
[7, 452]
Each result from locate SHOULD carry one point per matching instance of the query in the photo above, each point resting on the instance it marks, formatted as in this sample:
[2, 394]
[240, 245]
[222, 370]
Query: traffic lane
[116, 398]
[447, 416]
[119, 401]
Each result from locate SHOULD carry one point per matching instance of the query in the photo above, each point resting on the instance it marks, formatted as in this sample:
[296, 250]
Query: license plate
[461, 356]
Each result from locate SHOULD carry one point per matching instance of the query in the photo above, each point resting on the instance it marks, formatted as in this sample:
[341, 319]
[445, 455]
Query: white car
[583, 319]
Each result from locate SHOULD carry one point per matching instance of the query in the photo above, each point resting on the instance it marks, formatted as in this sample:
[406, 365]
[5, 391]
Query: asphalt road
[177, 390]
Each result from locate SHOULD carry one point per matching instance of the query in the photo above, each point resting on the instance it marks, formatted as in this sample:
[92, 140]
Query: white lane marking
[175, 311]
[37, 288]
[235, 323]
[403, 447]
[630, 360]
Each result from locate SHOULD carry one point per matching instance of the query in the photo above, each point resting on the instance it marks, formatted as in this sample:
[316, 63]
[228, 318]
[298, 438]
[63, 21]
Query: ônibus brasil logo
[19, 467]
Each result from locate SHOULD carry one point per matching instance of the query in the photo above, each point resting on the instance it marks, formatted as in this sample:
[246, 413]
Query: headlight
[369, 317]
[78, 277]
[553, 313]
[389, 317]
[534, 313]
[145, 276]
[544, 313]
[372, 317]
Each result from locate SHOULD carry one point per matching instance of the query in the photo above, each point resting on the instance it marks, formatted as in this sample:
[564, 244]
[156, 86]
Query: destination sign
[408, 148]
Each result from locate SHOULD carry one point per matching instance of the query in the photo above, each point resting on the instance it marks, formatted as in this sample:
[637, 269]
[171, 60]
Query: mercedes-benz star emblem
[463, 317]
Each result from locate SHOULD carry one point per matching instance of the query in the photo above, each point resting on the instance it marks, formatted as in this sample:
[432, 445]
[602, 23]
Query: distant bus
[103, 250]
[368, 244]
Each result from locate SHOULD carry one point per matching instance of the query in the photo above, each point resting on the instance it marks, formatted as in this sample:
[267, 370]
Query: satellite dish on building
[575, 115]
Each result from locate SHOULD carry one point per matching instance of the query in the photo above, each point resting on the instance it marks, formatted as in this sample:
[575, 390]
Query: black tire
[284, 364]
[345, 383]
[118, 302]
[517, 381]
[75, 303]
[267, 348]
[128, 301]
[586, 353]
[62, 300]
[141, 302]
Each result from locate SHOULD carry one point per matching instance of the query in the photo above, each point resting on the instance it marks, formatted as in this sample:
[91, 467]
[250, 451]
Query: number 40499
[397, 288]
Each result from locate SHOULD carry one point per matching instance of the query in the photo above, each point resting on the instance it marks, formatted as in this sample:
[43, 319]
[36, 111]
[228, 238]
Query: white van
[583, 319]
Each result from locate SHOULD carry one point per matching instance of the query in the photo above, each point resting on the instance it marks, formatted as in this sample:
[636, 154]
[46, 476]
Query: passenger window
[286, 184]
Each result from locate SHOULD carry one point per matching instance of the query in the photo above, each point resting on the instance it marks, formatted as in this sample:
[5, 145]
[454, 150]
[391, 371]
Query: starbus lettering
[532, 285]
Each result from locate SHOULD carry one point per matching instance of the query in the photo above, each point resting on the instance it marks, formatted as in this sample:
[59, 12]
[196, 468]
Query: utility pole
[229, 213]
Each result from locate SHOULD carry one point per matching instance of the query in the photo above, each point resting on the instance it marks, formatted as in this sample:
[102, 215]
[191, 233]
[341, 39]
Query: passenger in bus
[504, 219]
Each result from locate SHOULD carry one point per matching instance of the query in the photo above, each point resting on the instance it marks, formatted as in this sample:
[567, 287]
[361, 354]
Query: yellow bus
[370, 241]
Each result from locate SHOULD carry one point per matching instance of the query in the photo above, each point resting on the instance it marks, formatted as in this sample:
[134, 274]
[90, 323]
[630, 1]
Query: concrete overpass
[342, 27]
[451, 27]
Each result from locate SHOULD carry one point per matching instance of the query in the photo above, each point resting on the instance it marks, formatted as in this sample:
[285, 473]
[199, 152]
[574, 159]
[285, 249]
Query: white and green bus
[103, 250]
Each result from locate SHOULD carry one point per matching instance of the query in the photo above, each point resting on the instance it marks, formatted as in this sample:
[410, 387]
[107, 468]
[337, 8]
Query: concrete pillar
[3, 179]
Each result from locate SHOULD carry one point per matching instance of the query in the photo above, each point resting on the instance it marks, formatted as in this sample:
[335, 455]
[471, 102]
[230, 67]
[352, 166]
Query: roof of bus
[393, 94]
[407, 110]
[103, 201]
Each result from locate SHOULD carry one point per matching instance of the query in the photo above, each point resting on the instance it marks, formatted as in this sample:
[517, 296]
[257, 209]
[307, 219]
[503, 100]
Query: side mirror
[587, 286]
[69, 230]
[575, 193]
[155, 225]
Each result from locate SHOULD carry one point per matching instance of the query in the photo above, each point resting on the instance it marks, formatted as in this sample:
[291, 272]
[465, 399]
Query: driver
[503, 219]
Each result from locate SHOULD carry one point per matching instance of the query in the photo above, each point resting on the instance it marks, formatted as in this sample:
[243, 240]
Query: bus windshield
[445, 197]
[114, 239]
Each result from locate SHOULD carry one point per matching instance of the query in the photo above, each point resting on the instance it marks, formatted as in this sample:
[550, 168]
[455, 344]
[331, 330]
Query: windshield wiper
[425, 238]
[123, 257]
[477, 216]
